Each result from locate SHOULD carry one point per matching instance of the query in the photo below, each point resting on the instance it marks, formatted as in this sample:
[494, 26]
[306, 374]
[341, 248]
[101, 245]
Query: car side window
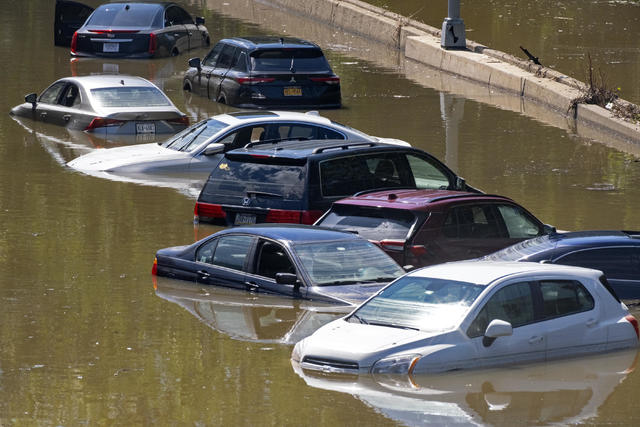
[51, 94]
[240, 61]
[513, 304]
[183, 16]
[344, 176]
[519, 224]
[171, 17]
[212, 56]
[205, 251]
[245, 135]
[426, 174]
[471, 222]
[70, 97]
[225, 59]
[231, 251]
[307, 132]
[564, 297]
[273, 259]
[615, 263]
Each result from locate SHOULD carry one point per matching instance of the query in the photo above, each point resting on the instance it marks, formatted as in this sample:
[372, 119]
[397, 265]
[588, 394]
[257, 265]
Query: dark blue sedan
[615, 253]
[293, 260]
[131, 30]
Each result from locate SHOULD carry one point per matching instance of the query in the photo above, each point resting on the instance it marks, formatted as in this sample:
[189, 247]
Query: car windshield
[346, 262]
[195, 135]
[124, 15]
[129, 96]
[370, 223]
[423, 303]
[522, 250]
[295, 60]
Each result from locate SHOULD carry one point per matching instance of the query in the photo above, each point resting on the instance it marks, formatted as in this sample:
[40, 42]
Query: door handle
[203, 273]
[43, 115]
[535, 339]
[66, 117]
[176, 35]
[591, 322]
[252, 286]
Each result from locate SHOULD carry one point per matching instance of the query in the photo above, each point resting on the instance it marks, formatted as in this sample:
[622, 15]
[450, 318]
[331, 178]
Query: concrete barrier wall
[420, 42]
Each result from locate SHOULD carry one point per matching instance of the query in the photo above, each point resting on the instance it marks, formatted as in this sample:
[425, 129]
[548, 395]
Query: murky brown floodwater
[86, 339]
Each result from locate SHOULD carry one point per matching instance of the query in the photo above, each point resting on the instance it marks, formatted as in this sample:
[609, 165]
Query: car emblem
[293, 80]
[109, 35]
[246, 201]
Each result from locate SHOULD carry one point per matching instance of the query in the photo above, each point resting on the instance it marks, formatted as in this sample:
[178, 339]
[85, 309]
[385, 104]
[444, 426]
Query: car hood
[350, 294]
[112, 158]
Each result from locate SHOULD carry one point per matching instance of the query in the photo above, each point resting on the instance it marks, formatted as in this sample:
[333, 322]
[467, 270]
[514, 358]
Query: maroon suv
[423, 227]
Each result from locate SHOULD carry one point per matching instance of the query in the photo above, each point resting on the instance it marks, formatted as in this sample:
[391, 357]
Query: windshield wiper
[341, 282]
[359, 319]
[264, 194]
[381, 279]
[393, 325]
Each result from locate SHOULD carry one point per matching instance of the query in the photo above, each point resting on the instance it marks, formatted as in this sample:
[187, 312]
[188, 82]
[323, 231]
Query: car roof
[292, 233]
[414, 199]
[486, 272]
[560, 243]
[108, 80]
[296, 149]
[259, 116]
[270, 42]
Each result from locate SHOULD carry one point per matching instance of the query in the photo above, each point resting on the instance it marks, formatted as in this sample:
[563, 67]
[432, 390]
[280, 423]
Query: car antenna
[122, 82]
[281, 40]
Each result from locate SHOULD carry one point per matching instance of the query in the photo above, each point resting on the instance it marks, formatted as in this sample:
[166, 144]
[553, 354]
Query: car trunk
[114, 42]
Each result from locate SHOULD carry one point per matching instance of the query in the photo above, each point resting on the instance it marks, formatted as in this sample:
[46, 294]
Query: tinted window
[471, 222]
[125, 15]
[519, 224]
[245, 135]
[273, 259]
[195, 135]
[205, 252]
[131, 96]
[212, 57]
[372, 224]
[226, 57]
[297, 60]
[513, 304]
[70, 97]
[563, 297]
[425, 174]
[51, 94]
[231, 251]
[240, 62]
[305, 132]
[182, 16]
[615, 263]
[74, 13]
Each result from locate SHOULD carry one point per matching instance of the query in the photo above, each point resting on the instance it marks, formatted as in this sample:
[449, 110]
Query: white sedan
[473, 314]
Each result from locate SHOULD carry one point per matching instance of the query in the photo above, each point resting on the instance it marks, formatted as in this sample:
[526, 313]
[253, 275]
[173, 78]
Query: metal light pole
[453, 34]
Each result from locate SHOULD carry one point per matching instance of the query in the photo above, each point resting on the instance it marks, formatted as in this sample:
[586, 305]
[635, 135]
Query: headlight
[396, 364]
[296, 354]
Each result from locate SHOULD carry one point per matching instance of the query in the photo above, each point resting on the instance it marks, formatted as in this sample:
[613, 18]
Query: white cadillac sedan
[472, 314]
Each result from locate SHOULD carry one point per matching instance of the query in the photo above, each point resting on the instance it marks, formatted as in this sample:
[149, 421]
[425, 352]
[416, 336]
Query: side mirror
[195, 63]
[286, 278]
[199, 20]
[548, 229]
[213, 148]
[498, 328]
[32, 98]
[408, 267]
[461, 184]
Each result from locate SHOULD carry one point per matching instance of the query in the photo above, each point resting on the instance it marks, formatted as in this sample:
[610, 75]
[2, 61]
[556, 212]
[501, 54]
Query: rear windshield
[195, 135]
[370, 223]
[119, 97]
[125, 15]
[296, 60]
[239, 178]
[522, 250]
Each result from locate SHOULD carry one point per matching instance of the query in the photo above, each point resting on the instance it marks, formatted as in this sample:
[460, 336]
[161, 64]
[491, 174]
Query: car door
[175, 30]
[513, 303]
[207, 65]
[223, 261]
[570, 318]
[47, 108]
[69, 16]
[219, 72]
[193, 33]
[271, 258]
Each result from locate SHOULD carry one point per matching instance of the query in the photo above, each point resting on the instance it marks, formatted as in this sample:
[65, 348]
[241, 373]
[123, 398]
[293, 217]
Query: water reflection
[561, 392]
[247, 316]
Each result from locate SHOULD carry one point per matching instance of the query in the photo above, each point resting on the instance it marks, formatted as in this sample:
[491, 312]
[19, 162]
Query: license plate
[145, 128]
[111, 47]
[293, 91]
[243, 219]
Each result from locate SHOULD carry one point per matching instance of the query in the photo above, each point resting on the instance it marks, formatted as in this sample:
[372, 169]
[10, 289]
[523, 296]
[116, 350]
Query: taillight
[327, 80]
[393, 245]
[253, 80]
[154, 269]
[74, 42]
[278, 215]
[184, 120]
[310, 217]
[99, 122]
[634, 323]
[153, 43]
[418, 250]
[109, 31]
[208, 210]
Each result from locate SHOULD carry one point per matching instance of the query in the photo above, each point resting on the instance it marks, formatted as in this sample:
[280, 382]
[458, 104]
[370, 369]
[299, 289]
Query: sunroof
[253, 114]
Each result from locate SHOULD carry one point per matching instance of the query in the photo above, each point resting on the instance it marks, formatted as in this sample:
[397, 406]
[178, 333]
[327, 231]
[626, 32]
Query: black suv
[260, 72]
[296, 181]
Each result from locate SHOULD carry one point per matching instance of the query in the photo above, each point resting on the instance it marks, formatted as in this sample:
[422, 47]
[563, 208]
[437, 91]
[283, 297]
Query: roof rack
[344, 147]
[375, 190]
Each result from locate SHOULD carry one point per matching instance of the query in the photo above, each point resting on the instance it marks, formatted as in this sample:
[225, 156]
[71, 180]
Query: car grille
[321, 363]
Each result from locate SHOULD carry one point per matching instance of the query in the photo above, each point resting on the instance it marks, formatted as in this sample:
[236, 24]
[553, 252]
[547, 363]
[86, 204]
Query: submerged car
[106, 105]
[296, 261]
[424, 227]
[614, 252]
[130, 30]
[196, 151]
[471, 314]
[265, 72]
[296, 181]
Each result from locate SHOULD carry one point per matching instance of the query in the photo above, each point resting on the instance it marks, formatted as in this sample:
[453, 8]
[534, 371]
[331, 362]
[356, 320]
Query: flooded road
[86, 338]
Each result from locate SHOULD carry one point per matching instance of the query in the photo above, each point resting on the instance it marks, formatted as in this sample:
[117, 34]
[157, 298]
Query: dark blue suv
[261, 72]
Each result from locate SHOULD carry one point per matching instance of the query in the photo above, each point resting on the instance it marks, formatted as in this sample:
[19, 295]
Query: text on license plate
[145, 128]
[242, 219]
[110, 47]
[293, 91]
